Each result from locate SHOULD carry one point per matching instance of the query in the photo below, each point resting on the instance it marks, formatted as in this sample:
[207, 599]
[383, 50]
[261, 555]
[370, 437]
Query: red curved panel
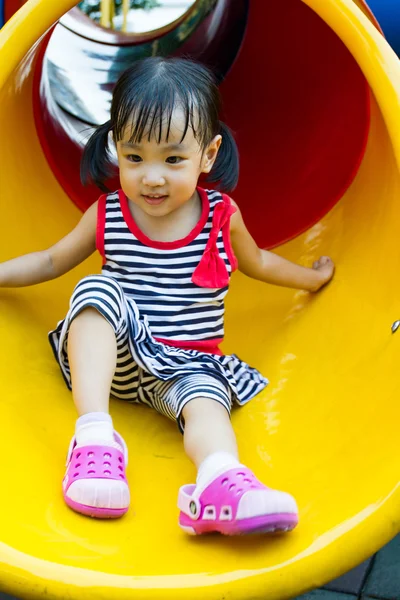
[11, 7]
[55, 127]
[299, 105]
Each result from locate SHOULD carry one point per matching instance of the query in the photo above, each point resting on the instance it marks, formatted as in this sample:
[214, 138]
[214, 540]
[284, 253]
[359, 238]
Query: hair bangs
[147, 98]
[149, 113]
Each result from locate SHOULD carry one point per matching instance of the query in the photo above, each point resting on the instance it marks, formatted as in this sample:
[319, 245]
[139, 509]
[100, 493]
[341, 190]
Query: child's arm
[41, 266]
[271, 268]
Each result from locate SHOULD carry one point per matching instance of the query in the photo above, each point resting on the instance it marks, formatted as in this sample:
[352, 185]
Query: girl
[148, 329]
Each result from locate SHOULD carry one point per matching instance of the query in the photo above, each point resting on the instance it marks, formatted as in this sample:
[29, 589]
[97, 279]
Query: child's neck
[174, 226]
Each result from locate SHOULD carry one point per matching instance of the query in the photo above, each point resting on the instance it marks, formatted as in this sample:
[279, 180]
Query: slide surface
[326, 429]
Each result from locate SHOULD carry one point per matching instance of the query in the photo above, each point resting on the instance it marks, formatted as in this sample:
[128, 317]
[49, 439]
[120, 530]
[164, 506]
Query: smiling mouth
[154, 199]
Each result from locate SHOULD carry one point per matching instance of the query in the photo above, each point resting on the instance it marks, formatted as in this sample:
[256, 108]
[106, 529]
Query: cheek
[128, 175]
[191, 171]
[184, 181]
[129, 182]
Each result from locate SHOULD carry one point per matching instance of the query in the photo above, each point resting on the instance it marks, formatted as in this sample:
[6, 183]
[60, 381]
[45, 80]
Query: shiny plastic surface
[326, 429]
[311, 114]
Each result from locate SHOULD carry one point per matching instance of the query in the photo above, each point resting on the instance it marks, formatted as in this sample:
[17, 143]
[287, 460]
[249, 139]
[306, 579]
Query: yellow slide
[326, 429]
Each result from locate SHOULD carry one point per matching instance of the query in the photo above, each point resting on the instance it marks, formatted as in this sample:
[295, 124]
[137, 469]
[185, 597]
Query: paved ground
[376, 579]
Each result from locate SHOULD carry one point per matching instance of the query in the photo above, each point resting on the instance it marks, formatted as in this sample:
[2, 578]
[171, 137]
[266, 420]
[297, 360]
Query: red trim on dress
[212, 272]
[206, 346]
[101, 225]
[138, 233]
[226, 234]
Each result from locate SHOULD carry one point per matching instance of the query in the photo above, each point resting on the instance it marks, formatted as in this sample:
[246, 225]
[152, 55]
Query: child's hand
[325, 268]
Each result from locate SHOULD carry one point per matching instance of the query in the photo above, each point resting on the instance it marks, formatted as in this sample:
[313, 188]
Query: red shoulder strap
[226, 232]
[101, 225]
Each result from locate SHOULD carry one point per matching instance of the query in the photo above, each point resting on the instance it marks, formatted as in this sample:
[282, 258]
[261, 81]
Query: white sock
[97, 428]
[94, 427]
[213, 465]
[255, 502]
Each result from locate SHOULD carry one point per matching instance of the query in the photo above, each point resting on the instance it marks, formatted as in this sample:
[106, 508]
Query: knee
[204, 409]
[99, 292]
[97, 286]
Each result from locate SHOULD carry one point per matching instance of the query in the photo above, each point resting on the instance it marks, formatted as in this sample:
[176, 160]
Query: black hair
[144, 99]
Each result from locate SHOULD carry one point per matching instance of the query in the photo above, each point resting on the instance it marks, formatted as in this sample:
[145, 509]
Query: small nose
[153, 178]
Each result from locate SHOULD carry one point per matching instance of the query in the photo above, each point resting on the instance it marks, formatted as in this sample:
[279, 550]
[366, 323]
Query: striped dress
[165, 302]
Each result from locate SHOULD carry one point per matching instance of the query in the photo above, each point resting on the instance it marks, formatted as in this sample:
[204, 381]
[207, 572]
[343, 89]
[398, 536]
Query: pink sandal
[222, 506]
[102, 462]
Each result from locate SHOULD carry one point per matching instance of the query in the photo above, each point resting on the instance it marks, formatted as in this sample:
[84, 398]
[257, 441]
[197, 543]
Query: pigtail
[226, 167]
[96, 163]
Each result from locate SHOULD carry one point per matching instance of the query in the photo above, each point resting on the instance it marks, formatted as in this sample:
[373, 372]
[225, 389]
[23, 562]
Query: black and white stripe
[150, 372]
[160, 280]
[147, 293]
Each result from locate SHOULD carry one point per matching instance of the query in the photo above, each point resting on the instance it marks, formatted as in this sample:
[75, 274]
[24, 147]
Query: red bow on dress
[211, 272]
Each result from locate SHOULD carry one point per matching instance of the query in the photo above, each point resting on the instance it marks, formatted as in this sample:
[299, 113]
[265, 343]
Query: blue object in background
[387, 13]
[2, 19]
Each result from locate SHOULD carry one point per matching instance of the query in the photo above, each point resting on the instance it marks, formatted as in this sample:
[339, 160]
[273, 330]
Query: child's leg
[92, 357]
[198, 420]
[229, 498]
[209, 439]
[92, 353]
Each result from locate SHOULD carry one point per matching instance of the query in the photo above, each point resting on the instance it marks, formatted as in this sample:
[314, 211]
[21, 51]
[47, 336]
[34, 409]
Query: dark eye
[134, 158]
[174, 160]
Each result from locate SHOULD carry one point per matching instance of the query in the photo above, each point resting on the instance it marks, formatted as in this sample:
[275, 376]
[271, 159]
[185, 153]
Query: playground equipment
[314, 97]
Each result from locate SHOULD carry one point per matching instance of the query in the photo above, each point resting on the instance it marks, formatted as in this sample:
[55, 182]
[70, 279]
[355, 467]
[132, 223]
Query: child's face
[159, 178]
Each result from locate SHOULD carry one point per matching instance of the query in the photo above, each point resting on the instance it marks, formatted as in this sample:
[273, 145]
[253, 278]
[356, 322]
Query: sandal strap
[193, 500]
[187, 503]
